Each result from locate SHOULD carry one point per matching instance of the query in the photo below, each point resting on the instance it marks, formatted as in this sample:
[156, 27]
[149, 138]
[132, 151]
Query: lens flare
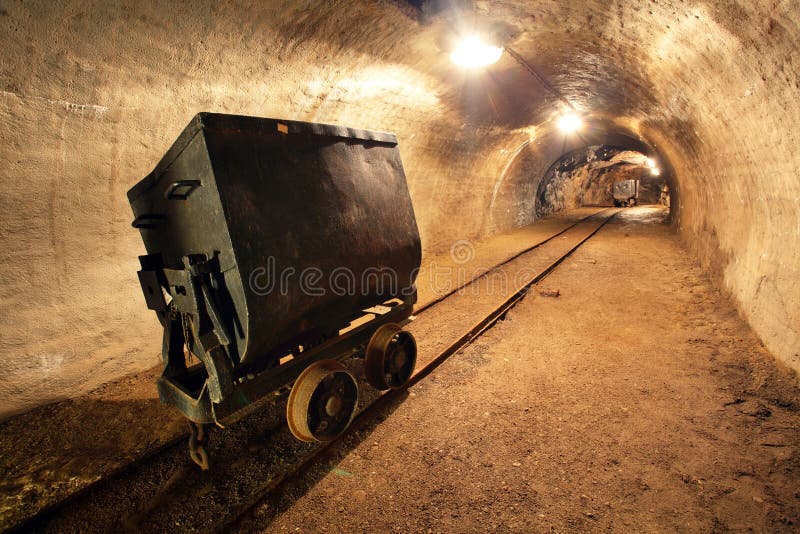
[569, 123]
[472, 52]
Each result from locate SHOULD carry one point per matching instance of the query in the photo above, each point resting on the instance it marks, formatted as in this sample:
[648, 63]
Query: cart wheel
[390, 357]
[322, 401]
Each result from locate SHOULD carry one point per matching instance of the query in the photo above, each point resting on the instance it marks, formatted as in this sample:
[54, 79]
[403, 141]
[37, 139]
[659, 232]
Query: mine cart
[277, 249]
[626, 192]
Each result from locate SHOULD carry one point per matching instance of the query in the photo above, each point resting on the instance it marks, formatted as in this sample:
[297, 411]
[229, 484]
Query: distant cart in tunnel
[625, 192]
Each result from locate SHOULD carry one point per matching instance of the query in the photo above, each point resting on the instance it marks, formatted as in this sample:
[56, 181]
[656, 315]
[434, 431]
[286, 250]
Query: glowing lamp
[569, 123]
[472, 53]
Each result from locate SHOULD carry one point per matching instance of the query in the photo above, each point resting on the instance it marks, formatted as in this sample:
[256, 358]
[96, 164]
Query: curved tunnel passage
[589, 161]
[600, 175]
[93, 94]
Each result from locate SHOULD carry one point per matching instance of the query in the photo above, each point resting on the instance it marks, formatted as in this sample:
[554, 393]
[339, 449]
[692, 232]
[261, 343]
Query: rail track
[258, 456]
[421, 372]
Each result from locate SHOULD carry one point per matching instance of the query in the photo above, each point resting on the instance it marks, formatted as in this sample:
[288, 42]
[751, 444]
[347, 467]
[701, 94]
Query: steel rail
[391, 395]
[443, 296]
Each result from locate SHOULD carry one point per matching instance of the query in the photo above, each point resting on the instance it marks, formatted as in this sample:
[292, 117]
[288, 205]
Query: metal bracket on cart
[245, 395]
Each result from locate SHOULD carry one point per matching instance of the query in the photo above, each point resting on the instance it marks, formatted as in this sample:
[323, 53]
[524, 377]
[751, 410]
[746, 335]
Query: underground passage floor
[623, 392]
[636, 400]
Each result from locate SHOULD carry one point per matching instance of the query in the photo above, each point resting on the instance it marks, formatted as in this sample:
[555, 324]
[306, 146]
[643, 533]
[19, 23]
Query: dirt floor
[636, 400]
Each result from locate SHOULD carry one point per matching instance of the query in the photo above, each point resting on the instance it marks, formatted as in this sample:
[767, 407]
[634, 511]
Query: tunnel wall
[713, 87]
[92, 94]
[730, 137]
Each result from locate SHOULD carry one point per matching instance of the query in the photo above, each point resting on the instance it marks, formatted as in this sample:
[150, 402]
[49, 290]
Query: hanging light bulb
[473, 52]
[569, 123]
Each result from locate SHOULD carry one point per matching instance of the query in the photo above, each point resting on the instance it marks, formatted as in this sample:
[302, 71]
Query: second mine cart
[625, 192]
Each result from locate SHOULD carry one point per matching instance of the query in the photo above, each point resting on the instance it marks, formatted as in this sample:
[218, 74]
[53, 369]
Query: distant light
[569, 123]
[650, 162]
[655, 171]
[472, 52]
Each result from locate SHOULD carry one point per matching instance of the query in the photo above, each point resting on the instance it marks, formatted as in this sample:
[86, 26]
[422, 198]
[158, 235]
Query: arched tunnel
[645, 379]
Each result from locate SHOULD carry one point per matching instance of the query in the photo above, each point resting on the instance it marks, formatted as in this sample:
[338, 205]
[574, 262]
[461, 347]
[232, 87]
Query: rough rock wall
[92, 93]
[729, 77]
[91, 96]
[585, 177]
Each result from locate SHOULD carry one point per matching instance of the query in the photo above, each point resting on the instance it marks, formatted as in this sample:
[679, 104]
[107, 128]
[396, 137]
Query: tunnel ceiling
[585, 50]
[93, 93]
[706, 86]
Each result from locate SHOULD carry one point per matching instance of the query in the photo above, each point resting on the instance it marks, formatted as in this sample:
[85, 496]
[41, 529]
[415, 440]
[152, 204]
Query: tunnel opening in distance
[601, 175]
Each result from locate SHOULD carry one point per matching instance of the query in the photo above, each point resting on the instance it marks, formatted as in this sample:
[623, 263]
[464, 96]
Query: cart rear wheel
[390, 357]
[322, 401]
